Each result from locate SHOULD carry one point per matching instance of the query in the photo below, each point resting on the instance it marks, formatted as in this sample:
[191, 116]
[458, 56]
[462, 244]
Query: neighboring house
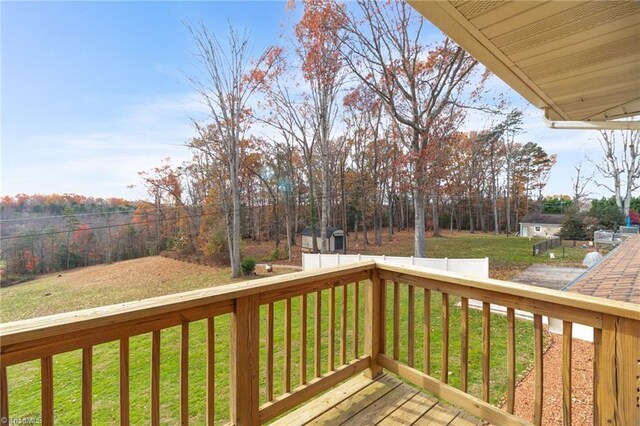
[334, 235]
[541, 225]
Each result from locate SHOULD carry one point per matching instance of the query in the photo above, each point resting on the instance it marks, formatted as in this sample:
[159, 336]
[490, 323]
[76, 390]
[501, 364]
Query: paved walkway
[554, 277]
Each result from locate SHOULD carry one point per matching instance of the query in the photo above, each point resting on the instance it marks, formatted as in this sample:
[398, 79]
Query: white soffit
[578, 60]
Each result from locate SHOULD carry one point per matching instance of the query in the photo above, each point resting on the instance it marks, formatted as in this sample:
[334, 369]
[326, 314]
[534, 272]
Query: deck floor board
[385, 401]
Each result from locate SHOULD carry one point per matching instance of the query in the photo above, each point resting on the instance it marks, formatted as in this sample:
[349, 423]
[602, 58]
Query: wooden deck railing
[292, 337]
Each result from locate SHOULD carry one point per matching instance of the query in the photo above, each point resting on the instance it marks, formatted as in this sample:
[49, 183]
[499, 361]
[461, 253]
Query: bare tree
[225, 88]
[580, 183]
[384, 50]
[621, 163]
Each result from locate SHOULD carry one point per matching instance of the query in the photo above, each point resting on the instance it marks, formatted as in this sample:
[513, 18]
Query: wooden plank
[383, 316]
[211, 371]
[411, 307]
[464, 401]
[538, 369]
[511, 359]
[605, 372]
[46, 372]
[4, 393]
[343, 326]
[316, 386]
[303, 339]
[124, 382]
[331, 347]
[382, 407]
[356, 318]
[462, 420]
[486, 351]
[184, 373]
[318, 335]
[244, 353]
[444, 374]
[287, 345]
[427, 331]
[372, 323]
[324, 403]
[411, 411]
[396, 320]
[597, 347]
[567, 328]
[437, 415]
[87, 386]
[269, 364]
[155, 378]
[464, 345]
[628, 371]
[355, 403]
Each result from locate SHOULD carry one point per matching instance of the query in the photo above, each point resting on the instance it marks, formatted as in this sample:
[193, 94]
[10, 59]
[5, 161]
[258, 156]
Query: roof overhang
[577, 60]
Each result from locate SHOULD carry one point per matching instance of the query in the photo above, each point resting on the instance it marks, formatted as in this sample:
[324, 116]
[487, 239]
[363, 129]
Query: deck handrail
[616, 339]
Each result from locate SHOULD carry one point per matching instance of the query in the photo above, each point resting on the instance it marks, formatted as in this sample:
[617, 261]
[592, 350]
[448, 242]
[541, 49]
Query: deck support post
[373, 327]
[244, 395]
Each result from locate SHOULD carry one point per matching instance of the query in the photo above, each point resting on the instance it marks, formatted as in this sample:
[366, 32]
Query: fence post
[245, 353]
[338, 254]
[373, 322]
[446, 264]
[319, 260]
[413, 262]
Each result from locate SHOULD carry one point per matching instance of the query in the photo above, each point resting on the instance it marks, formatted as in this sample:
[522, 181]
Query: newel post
[617, 372]
[244, 394]
[373, 322]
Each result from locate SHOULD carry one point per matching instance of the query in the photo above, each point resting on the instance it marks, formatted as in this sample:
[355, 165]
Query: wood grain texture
[318, 335]
[4, 393]
[411, 323]
[372, 323]
[567, 331]
[87, 386]
[356, 318]
[343, 326]
[124, 382]
[426, 325]
[628, 371]
[269, 364]
[396, 320]
[464, 345]
[331, 363]
[511, 359]
[287, 345]
[155, 378]
[211, 372]
[303, 339]
[46, 372]
[538, 368]
[383, 316]
[184, 374]
[444, 374]
[486, 351]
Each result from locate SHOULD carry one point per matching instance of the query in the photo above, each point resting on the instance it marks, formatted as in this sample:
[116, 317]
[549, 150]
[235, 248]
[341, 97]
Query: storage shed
[334, 235]
[541, 225]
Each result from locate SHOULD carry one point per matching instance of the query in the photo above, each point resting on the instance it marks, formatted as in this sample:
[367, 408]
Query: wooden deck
[385, 401]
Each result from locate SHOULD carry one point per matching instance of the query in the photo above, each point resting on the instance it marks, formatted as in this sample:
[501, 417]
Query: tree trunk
[434, 213]
[420, 248]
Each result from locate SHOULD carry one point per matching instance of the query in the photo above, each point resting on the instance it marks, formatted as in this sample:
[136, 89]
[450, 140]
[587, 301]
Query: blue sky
[94, 92]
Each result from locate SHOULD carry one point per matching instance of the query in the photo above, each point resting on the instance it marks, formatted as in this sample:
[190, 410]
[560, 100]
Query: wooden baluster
[332, 329]
[269, 366]
[511, 359]
[46, 367]
[486, 351]
[383, 316]
[538, 369]
[567, 328]
[244, 396]
[444, 374]
[427, 331]
[124, 381]
[287, 346]
[211, 371]
[356, 318]
[155, 378]
[343, 325]
[411, 306]
[4, 394]
[303, 339]
[318, 336]
[396, 320]
[184, 374]
[464, 346]
[87, 386]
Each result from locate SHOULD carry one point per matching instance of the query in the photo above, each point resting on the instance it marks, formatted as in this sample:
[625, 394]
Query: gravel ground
[581, 384]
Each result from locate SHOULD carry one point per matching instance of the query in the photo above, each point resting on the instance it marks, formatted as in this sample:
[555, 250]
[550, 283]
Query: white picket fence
[472, 268]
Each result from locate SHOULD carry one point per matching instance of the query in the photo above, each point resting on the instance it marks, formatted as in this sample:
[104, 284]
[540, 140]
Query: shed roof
[330, 230]
[543, 218]
[616, 277]
[578, 59]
